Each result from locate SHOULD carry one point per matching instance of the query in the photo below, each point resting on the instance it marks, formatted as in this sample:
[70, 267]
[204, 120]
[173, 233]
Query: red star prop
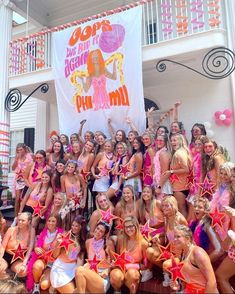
[206, 187]
[85, 175]
[18, 253]
[190, 179]
[217, 217]
[93, 263]
[165, 252]
[47, 256]
[120, 225]
[77, 200]
[146, 230]
[104, 171]
[124, 170]
[173, 178]
[37, 209]
[175, 270]
[66, 241]
[107, 216]
[122, 259]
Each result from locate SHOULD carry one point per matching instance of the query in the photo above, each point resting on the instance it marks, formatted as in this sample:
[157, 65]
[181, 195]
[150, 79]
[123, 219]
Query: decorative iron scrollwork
[13, 100]
[217, 64]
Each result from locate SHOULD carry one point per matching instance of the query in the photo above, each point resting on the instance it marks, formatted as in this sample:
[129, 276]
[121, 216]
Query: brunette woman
[41, 195]
[133, 243]
[135, 166]
[21, 236]
[121, 159]
[196, 131]
[41, 260]
[161, 163]
[23, 159]
[87, 280]
[64, 139]
[100, 139]
[63, 270]
[75, 152]
[56, 154]
[131, 136]
[59, 170]
[179, 171]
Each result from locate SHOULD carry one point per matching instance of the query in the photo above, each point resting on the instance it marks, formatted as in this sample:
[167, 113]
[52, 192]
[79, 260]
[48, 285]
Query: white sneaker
[146, 275]
[167, 280]
[36, 288]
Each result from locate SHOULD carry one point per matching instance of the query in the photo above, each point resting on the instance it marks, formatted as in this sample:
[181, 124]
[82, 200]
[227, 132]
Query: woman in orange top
[179, 170]
[197, 270]
[133, 243]
[21, 235]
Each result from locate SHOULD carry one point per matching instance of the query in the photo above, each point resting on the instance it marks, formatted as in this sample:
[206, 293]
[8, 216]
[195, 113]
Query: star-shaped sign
[174, 178]
[93, 263]
[47, 256]
[85, 175]
[165, 252]
[107, 216]
[217, 217]
[76, 200]
[120, 225]
[66, 241]
[206, 187]
[146, 230]
[122, 259]
[124, 170]
[37, 209]
[104, 171]
[175, 270]
[190, 180]
[18, 253]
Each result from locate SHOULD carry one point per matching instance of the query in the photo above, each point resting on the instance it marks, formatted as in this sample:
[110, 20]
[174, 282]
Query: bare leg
[132, 279]
[45, 280]
[180, 197]
[17, 202]
[110, 193]
[16, 268]
[152, 254]
[224, 272]
[68, 288]
[116, 279]
[38, 269]
[88, 281]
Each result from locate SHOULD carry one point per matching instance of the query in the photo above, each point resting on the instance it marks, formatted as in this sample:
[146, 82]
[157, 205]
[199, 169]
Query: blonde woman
[135, 245]
[180, 168]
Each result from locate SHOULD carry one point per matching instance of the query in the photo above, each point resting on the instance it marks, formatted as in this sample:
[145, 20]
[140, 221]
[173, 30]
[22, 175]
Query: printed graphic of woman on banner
[98, 74]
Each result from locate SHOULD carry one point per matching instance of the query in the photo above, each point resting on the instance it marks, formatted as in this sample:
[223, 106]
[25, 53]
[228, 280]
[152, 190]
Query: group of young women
[93, 214]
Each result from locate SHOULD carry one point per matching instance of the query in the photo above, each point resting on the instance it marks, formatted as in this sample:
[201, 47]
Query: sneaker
[36, 289]
[146, 275]
[167, 280]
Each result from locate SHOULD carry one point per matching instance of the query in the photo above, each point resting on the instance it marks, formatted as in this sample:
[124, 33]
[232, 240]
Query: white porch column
[5, 37]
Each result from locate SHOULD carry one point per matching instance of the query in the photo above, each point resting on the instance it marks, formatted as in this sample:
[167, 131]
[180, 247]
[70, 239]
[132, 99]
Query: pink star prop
[175, 270]
[37, 209]
[124, 170]
[217, 218]
[122, 259]
[146, 230]
[165, 252]
[104, 171]
[107, 216]
[93, 263]
[174, 178]
[18, 253]
[206, 187]
[120, 225]
[190, 180]
[66, 241]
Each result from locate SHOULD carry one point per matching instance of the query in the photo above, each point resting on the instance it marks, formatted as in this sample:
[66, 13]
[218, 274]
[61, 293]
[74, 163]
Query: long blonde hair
[138, 235]
[142, 206]
[123, 202]
[182, 151]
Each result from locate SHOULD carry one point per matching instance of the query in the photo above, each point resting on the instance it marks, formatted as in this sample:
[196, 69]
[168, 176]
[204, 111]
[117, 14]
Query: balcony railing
[163, 20]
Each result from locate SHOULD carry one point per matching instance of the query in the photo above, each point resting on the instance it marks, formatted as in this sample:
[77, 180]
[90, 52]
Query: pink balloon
[227, 121]
[227, 112]
[217, 114]
[219, 122]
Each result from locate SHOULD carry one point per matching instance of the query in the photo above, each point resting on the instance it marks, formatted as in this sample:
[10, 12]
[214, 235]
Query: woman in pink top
[148, 160]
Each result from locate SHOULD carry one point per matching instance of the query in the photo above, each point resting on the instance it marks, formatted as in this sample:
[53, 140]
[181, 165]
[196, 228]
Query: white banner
[98, 73]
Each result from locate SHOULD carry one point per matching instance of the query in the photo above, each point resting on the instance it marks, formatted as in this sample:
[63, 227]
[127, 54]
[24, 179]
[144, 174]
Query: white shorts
[101, 185]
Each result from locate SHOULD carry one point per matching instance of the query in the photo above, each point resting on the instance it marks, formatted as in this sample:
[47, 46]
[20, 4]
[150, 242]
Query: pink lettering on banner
[166, 18]
[73, 63]
[199, 13]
